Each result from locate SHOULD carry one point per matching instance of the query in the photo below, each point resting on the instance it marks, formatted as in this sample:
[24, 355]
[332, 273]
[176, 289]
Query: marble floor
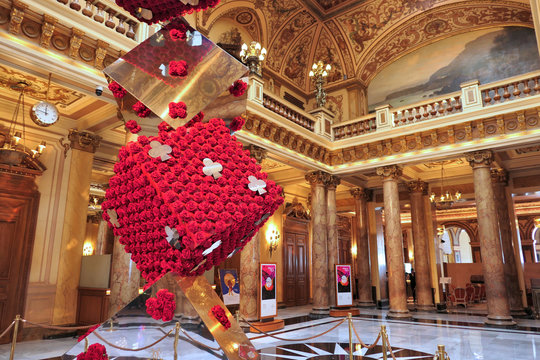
[463, 335]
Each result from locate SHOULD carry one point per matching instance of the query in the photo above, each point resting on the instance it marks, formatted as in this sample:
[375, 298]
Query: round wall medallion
[532, 121]
[244, 18]
[512, 125]
[491, 129]
[4, 15]
[460, 134]
[60, 42]
[30, 29]
[86, 53]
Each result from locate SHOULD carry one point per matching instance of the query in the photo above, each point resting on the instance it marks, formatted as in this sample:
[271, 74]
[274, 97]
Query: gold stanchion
[349, 316]
[384, 344]
[14, 339]
[441, 353]
[111, 328]
[176, 335]
[85, 344]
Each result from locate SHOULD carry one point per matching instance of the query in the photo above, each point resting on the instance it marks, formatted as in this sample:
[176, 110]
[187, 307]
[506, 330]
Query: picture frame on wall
[230, 286]
[344, 296]
[268, 290]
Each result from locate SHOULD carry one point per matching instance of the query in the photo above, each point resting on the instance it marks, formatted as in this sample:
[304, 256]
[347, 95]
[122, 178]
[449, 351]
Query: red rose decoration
[178, 68]
[237, 123]
[238, 88]
[82, 337]
[177, 110]
[141, 109]
[161, 10]
[117, 90]
[94, 352]
[178, 201]
[133, 127]
[220, 316]
[162, 306]
[179, 34]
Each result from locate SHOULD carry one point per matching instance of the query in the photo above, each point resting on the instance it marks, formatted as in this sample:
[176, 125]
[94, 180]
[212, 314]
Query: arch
[470, 231]
[436, 24]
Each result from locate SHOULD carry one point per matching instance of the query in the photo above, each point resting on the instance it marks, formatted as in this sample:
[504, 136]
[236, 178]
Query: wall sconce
[88, 249]
[354, 250]
[272, 238]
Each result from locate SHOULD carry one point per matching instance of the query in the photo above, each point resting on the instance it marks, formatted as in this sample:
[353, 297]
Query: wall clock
[44, 113]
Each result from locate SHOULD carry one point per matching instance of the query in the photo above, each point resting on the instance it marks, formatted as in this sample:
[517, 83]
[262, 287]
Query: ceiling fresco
[359, 38]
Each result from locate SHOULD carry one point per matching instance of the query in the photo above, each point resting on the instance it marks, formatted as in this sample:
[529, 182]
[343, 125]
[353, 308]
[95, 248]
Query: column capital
[418, 186]
[390, 172]
[317, 177]
[499, 176]
[84, 141]
[482, 158]
[257, 152]
[361, 193]
[332, 182]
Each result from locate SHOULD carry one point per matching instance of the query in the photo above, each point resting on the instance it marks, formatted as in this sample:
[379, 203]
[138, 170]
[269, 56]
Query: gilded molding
[499, 176]
[257, 152]
[361, 193]
[16, 17]
[75, 43]
[482, 158]
[390, 172]
[47, 30]
[101, 52]
[84, 141]
[418, 186]
[317, 177]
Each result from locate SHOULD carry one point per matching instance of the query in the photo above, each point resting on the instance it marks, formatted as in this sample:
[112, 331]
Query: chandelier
[14, 150]
[446, 199]
[319, 72]
[253, 56]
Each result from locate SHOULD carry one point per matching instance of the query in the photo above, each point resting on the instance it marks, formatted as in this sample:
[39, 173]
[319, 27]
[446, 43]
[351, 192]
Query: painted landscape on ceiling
[486, 55]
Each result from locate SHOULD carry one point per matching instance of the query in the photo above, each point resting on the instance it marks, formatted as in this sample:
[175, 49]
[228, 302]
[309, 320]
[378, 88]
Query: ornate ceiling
[359, 38]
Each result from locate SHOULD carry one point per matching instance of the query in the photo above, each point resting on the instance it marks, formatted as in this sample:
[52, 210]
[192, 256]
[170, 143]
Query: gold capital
[390, 172]
[477, 159]
[418, 186]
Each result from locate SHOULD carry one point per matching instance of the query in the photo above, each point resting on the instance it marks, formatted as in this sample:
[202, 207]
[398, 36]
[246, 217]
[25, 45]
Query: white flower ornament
[160, 150]
[212, 168]
[256, 185]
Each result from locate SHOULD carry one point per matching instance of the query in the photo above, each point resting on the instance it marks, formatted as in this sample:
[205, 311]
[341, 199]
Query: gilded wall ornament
[482, 158]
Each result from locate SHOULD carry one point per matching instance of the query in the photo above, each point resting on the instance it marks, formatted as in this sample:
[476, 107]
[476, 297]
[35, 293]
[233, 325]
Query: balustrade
[513, 90]
[359, 127]
[425, 111]
[288, 112]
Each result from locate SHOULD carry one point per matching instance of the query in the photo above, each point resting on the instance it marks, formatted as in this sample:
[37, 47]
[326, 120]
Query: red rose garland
[141, 109]
[82, 337]
[238, 88]
[178, 68]
[117, 90]
[133, 127]
[237, 123]
[220, 316]
[177, 110]
[170, 215]
[164, 9]
[162, 306]
[94, 352]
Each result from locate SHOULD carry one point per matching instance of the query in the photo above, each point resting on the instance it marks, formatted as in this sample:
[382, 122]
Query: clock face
[44, 113]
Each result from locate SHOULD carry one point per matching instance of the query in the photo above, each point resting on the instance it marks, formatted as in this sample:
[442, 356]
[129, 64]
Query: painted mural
[487, 55]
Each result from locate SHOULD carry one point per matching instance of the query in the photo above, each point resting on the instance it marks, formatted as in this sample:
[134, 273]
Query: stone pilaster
[319, 253]
[490, 246]
[424, 300]
[499, 178]
[394, 243]
[332, 236]
[83, 146]
[363, 271]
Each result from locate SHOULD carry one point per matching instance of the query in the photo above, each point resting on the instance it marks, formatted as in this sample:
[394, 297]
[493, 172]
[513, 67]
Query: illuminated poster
[268, 291]
[230, 287]
[343, 286]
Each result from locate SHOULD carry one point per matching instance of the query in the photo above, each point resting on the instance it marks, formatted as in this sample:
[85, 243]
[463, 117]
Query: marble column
[490, 245]
[363, 271]
[424, 299]
[332, 235]
[250, 257]
[499, 178]
[394, 243]
[103, 230]
[319, 279]
[83, 146]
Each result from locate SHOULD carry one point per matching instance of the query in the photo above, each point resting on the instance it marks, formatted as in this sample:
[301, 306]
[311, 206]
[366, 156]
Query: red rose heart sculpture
[185, 200]
[152, 11]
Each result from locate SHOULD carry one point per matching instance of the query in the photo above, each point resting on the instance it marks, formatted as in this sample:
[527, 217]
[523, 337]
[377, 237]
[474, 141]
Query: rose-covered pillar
[319, 252]
[490, 245]
[394, 243]
[424, 299]
[333, 245]
[363, 271]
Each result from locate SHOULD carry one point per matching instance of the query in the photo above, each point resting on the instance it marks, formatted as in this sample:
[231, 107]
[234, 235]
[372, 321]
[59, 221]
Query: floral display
[177, 110]
[220, 316]
[170, 215]
[238, 88]
[133, 126]
[178, 68]
[180, 33]
[162, 306]
[237, 123]
[141, 109]
[94, 352]
[117, 90]
[82, 337]
[162, 10]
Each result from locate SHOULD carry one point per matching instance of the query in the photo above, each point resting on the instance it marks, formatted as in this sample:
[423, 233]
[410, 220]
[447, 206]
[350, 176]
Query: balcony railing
[503, 91]
[364, 125]
[278, 106]
[433, 108]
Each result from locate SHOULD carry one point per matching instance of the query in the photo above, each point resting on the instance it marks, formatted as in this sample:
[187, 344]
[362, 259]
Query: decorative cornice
[257, 152]
[332, 182]
[47, 30]
[361, 193]
[16, 17]
[84, 141]
[499, 176]
[482, 158]
[390, 172]
[75, 43]
[317, 177]
[416, 186]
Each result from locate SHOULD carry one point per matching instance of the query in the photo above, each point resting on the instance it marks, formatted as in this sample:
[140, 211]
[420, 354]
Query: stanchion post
[441, 353]
[176, 336]
[384, 344]
[14, 339]
[349, 316]
[85, 344]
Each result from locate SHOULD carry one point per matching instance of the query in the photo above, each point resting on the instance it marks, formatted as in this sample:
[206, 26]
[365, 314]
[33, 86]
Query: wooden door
[18, 215]
[296, 269]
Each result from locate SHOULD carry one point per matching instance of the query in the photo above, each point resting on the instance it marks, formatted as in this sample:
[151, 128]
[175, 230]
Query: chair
[460, 296]
[477, 290]
[470, 293]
